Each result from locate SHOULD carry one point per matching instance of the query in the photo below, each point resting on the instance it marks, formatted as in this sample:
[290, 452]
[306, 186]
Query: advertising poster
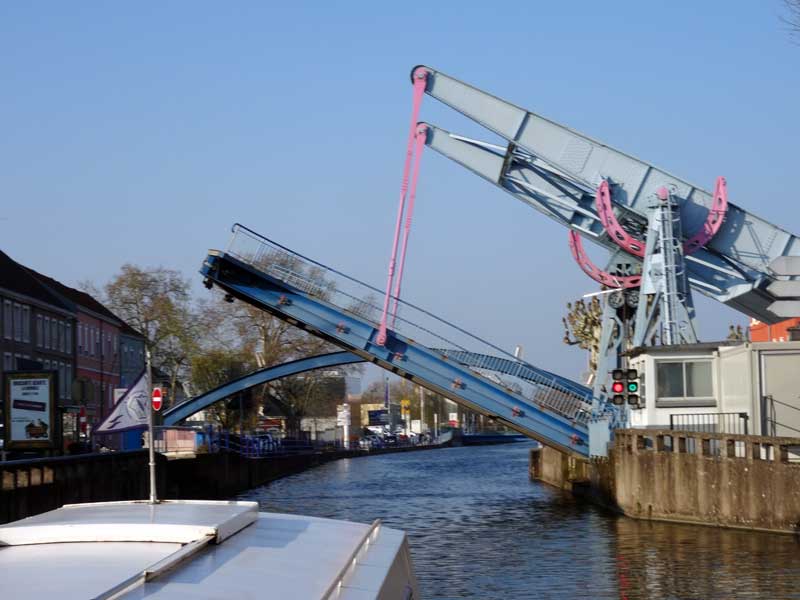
[30, 410]
[343, 415]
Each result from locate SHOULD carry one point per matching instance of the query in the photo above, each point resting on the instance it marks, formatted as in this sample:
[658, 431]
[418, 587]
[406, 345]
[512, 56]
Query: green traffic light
[633, 386]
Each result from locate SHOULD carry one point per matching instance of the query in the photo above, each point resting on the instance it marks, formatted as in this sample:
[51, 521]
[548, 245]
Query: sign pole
[347, 427]
[151, 437]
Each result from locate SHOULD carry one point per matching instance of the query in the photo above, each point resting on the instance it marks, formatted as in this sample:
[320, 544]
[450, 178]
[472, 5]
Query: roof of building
[128, 330]
[17, 278]
[682, 348]
[79, 298]
[26, 281]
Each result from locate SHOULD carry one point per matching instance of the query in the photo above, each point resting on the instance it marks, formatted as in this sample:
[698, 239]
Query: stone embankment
[747, 482]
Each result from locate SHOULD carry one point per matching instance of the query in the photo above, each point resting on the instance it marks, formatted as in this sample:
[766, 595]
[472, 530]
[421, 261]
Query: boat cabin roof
[192, 549]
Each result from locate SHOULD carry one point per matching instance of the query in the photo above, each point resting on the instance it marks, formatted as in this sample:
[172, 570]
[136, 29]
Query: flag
[130, 412]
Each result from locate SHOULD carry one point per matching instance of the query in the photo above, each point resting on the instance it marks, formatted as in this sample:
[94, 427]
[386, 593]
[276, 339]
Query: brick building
[131, 355]
[97, 349]
[761, 332]
[37, 329]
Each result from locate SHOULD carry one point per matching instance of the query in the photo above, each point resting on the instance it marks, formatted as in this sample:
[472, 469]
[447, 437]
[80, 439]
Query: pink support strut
[600, 276]
[716, 214]
[422, 133]
[420, 79]
[609, 220]
[630, 244]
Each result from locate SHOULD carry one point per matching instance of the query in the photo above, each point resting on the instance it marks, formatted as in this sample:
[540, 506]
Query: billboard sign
[30, 399]
[378, 417]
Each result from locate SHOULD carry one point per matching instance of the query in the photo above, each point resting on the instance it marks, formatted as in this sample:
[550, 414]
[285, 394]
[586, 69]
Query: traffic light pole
[150, 436]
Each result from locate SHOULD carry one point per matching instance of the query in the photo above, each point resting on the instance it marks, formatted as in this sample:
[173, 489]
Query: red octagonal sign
[156, 399]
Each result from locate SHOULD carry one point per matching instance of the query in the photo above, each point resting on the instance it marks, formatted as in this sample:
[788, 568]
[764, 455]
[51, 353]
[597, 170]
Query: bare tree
[792, 18]
[583, 326]
[156, 302]
[249, 335]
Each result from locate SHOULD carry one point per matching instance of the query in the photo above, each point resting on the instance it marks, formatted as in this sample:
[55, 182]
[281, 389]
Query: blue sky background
[141, 132]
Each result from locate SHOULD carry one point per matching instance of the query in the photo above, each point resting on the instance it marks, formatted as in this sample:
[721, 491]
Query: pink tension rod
[420, 79]
[422, 134]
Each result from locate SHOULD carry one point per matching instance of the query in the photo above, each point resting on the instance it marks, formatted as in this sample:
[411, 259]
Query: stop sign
[156, 399]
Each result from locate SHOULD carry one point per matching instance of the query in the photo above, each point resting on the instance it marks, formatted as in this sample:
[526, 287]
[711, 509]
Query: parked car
[371, 441]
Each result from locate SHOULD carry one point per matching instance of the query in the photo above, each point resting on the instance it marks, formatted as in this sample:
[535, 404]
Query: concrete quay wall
[738, 481]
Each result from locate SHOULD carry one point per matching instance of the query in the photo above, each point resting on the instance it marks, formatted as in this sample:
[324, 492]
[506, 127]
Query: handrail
[238, 227]
[351, 560]
[771, 414]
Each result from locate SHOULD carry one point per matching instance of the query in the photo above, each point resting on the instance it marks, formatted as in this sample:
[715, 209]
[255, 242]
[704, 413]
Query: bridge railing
[266, 445]
[417, 324]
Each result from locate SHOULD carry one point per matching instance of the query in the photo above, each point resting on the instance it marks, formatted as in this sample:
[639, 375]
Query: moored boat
[200, 549]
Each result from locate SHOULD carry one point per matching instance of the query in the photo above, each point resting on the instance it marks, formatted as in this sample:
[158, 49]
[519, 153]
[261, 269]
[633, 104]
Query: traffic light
[625, 386]
[618, 386]
[632, 386]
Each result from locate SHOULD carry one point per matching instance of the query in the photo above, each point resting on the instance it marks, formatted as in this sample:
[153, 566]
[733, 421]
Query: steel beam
[554, 163]
[178, 413]
[400, 355]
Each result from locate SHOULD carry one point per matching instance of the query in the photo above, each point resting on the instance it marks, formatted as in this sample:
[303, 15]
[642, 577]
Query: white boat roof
[192, 549]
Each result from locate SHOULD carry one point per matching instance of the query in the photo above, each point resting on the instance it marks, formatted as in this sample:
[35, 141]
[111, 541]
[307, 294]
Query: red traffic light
[617, 387]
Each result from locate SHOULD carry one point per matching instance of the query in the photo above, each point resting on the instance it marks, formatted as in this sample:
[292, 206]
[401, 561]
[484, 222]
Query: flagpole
[151, 444]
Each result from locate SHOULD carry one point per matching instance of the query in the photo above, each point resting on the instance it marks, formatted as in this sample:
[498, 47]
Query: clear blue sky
[140, 132]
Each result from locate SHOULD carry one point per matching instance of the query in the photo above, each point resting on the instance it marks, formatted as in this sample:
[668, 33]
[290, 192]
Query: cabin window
[684, 383]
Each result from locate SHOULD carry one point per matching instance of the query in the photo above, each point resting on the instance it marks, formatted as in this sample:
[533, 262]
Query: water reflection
[479, 529]
[657, 560]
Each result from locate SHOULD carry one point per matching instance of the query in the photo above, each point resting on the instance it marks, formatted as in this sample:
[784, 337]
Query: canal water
[478, 528]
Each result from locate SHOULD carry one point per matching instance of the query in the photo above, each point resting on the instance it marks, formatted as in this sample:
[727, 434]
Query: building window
[7, 320]
[69, 381]
[8, 362]
[39, 332]
[17, 322]
[26, 323]
[684, 383]
[68, 342]
[47, 333]
[62, 380]
[53, 334]
[62, 338]
[97, 347]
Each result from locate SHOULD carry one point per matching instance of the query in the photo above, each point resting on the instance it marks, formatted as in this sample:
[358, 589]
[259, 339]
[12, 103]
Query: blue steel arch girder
[186, 409]
[399, 355]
